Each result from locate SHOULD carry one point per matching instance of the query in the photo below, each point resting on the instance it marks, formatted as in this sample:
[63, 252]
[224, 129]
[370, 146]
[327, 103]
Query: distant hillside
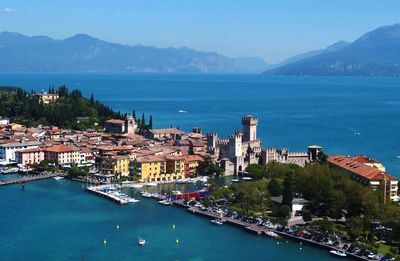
[375, 53]
[83, 53]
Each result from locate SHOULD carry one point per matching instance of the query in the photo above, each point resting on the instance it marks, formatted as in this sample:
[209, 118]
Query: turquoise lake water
[53, 220]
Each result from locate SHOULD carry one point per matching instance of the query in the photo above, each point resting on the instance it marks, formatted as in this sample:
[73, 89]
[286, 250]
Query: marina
[112, 193]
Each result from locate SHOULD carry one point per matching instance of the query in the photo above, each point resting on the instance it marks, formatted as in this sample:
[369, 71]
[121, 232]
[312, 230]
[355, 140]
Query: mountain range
[376, 53]
[83, 53]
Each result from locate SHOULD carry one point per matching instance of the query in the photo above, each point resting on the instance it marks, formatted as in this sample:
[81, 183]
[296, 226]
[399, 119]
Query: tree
[307, 217]
[287, 194]
[274, 188]
[151, 122]
[91, 99]
[208, 168]
[190, 149]
[256, 171]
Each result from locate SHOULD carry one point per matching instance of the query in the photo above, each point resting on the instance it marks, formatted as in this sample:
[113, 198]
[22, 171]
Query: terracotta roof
[190, 158]
[166, 131]
[364, 159]
[355, 167]
[30, 150]
[150, 159]
[61, 148]
[115, 121]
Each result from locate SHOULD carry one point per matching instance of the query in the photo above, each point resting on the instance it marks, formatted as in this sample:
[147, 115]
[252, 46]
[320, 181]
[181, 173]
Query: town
[122, 150]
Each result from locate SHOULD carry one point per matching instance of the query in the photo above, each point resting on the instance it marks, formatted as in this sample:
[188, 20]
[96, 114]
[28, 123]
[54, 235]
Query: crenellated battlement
[249, 120]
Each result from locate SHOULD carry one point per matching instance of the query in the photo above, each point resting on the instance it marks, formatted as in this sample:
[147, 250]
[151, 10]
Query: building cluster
[158, 155]
[161, 155]
[243, 148]
[369, 172]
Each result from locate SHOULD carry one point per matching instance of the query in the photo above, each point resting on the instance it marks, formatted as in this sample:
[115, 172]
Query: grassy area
[383, 249]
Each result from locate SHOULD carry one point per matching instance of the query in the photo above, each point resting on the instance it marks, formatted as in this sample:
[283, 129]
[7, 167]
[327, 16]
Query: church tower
[130, 124]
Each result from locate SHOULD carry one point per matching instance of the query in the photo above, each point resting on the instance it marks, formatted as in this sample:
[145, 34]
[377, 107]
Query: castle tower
[212, 139]
[249, 123]
[313, 152]
[130, 124]
[235, 144]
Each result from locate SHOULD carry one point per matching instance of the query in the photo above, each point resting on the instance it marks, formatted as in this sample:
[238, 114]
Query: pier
[29, 178]
[98, 190]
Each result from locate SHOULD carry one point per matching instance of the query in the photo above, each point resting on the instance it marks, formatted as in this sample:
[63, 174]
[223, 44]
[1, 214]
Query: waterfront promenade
[29, 178]
[259, 230]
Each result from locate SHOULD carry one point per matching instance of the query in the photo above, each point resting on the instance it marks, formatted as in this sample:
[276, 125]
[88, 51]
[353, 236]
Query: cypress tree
[151, 122]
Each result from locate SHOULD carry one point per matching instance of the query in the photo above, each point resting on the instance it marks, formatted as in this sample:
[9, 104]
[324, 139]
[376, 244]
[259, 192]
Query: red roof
[115, 121]
[191, 158]
[61, 148]
[363, 159]
[355, 167]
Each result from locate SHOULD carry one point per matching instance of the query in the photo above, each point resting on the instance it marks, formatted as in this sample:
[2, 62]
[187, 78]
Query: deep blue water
[53, 220]
[293, 111]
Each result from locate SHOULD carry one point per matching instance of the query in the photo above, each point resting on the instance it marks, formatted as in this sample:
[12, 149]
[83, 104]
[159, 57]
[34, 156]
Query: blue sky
[272, 30]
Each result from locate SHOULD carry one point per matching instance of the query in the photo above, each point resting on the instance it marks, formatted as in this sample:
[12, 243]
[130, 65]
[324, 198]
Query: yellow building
[114, 164]
[46, 98]
[158, 168]
[62, 154]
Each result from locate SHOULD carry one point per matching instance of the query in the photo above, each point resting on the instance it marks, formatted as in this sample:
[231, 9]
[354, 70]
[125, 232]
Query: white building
[4, 121]
[7, 150]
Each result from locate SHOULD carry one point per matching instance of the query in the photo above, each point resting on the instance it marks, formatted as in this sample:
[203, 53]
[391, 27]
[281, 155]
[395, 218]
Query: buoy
[277, 243]
[173, 226]
[177, 241]
[117, 226]
[300, 248]
[105, 242]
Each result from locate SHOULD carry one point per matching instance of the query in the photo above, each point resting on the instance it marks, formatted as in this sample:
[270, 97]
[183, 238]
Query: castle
[243, 148]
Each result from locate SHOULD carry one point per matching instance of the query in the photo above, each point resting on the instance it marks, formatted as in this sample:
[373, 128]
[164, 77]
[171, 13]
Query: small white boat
[146, 194]
[235, 180]
[398, 156]
[58, 178]
[181, 181]
[137, 186]
[217, 222]
[176, 192]
[132, 200]
[165, 202]
[142, 242]
[151, 184]
[182, 111]
[357, 133]
[247, 178]
[272, 234]
[338, 253]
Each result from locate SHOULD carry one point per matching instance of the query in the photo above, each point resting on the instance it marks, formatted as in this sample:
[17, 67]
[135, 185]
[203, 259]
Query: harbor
[112, 193]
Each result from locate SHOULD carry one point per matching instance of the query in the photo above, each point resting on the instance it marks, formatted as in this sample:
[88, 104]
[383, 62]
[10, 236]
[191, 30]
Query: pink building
[29, 157]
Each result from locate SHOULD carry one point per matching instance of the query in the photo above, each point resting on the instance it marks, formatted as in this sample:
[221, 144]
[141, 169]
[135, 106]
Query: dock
[98, 190]
[28, 178]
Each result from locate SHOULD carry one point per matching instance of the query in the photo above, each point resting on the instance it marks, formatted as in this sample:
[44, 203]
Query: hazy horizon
[271, 31]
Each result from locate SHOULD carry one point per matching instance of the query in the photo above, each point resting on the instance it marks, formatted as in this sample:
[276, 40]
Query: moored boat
[142, 242]
[218, 222]
[338, 253]
[165, 202]
[58, 178]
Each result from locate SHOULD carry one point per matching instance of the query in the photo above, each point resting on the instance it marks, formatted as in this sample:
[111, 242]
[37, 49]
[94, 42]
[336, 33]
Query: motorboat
[218, 222]
[181, 181]
[132, 200]
[142, 242]
[235, 180]
[146, 194]
[9, 170]
[176, 192]
[137, 186]
[338, 253]
[58, 178]
[247, 178]
[165, 202]
[151, 184]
